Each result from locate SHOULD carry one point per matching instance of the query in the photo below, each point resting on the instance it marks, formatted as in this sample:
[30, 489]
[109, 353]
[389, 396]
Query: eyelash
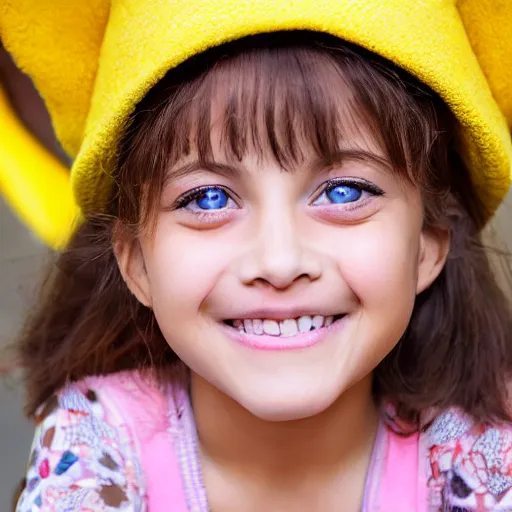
[360, 184]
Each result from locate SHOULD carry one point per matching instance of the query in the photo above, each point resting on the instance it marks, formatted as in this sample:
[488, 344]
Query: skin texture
[273, 422]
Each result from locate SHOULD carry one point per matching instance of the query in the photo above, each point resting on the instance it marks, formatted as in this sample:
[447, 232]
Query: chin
[287, 404]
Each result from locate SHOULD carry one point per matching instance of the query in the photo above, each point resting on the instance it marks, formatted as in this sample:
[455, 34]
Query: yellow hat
[94, 61]
[33, 181]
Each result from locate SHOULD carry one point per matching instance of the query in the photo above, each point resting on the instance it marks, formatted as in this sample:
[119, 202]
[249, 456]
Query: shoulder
[469, 464]
[84, 455]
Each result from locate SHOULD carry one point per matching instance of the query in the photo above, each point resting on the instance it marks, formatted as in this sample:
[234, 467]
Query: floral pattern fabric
[79, 461]
[470, 465]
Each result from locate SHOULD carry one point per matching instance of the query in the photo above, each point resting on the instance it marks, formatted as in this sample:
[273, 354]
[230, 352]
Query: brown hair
[457, 350]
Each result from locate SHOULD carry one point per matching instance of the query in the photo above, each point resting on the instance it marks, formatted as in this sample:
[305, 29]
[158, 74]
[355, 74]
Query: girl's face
[283, 289]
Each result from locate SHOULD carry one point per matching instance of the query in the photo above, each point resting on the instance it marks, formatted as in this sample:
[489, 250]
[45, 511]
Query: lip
[278, 343]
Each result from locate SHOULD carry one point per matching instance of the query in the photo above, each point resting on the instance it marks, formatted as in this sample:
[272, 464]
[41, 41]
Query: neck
[231, 437]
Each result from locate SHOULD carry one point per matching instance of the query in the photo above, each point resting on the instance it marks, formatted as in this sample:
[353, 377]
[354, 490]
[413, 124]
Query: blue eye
[213, 198]
[341, 194]
[206, 199]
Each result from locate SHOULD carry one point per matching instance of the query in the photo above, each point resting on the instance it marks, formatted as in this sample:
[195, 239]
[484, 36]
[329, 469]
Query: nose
[278, 255]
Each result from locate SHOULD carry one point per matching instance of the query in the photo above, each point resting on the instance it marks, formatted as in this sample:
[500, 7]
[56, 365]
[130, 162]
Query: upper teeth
[287, 327]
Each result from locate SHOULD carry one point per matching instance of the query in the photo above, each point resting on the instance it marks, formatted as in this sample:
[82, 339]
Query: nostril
[278, 282]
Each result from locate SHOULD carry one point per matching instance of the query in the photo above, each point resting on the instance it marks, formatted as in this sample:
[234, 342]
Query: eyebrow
[318, 165]
[354, 155]
[221, 169]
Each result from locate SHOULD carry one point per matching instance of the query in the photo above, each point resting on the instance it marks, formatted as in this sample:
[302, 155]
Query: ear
[130, 261]
[434, 248]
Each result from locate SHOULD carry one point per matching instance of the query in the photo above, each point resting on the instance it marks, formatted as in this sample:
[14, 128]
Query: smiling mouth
[285, 328]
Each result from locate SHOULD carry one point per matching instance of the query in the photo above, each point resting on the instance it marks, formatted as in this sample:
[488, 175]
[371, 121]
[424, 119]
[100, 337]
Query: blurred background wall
[21, 259]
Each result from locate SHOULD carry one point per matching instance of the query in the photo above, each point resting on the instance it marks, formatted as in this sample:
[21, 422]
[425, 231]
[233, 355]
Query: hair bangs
[283, 104]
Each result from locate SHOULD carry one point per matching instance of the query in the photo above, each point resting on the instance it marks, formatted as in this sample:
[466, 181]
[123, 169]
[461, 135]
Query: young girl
[277, 298]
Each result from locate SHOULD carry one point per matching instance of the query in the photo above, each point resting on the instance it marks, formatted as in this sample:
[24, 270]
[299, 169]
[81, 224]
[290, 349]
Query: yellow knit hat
[94, 61]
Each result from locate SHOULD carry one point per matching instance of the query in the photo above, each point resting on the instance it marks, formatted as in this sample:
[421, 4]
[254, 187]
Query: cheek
[379, 263]
[182, 268]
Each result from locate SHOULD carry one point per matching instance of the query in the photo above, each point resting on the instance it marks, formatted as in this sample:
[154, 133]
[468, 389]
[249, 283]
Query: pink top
[119, 443]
